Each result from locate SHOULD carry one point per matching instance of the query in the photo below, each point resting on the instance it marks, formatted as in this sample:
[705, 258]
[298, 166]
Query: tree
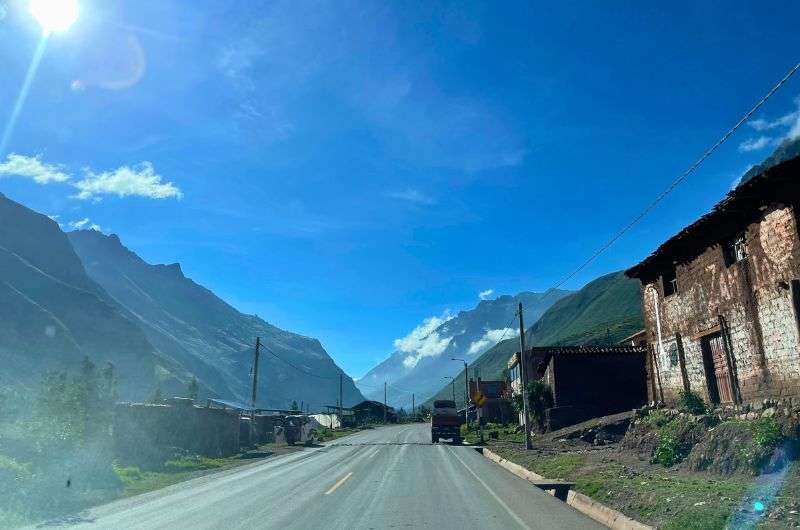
[194, 388]
[423, 412]
[540, 398]
[294, 406]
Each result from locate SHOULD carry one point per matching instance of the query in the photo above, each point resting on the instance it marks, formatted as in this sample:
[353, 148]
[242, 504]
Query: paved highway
[390, 477]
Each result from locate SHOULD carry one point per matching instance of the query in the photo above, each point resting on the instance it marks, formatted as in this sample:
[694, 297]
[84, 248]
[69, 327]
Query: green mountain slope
[605, 310]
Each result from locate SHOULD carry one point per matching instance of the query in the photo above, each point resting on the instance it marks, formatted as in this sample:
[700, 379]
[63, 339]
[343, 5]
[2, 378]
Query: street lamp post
[466, 389]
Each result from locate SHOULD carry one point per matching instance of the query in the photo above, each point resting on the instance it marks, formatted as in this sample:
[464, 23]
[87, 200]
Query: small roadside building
[721, 298]
[373, 412]
[586, 381]
[496, 406]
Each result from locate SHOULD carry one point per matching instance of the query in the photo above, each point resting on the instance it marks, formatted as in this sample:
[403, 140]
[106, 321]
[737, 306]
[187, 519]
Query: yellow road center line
[341, 481]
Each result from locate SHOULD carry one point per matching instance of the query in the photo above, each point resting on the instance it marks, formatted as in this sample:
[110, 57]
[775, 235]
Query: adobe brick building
[721, 299]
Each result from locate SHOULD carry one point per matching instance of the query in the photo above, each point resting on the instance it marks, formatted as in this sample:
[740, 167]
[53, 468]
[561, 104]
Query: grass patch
[698, 520]
[559, 466]
[195, 463]
[326, 435]
[136, 481]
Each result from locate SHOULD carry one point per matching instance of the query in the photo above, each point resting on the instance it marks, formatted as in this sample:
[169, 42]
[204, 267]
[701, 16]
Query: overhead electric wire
[675, 183]
[306, 372]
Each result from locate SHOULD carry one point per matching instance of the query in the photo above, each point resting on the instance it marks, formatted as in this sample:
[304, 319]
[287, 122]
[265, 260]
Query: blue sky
[347, 169]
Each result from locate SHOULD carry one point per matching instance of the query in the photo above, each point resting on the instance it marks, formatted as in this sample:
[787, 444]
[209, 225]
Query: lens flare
[54, 15]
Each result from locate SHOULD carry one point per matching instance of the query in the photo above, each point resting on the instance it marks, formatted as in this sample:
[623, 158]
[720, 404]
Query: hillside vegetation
[604, 311]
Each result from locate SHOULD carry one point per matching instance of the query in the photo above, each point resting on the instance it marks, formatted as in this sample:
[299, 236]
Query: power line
[306, 372]
[675, 183]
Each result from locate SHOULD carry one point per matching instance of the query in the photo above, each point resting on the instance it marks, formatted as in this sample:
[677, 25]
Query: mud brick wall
[754, 299]
[590, 385]
[144, 432]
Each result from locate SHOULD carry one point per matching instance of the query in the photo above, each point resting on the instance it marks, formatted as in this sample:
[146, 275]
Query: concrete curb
[601, 513]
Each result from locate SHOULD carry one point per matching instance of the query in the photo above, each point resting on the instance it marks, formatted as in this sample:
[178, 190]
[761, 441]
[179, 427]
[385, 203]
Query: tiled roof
[587, 350]
[742, 206]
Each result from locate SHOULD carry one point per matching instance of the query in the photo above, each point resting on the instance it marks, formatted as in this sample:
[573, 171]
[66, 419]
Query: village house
[721, 299]
[586, 381]
[495, 406]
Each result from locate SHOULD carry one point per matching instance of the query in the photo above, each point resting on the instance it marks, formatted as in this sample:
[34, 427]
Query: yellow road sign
[479, 398]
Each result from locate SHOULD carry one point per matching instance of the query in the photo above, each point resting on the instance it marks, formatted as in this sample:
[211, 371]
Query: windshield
[425, 264]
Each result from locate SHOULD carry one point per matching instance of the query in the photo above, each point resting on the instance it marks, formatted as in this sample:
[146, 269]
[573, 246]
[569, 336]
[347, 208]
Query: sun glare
[54, 15]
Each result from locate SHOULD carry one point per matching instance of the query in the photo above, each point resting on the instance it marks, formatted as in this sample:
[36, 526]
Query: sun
[54, 15]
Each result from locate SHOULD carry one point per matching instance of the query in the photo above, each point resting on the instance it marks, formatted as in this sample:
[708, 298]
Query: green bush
[668, 451]
[691, 403]
[766, 433]
[657, 419]
[672, 444]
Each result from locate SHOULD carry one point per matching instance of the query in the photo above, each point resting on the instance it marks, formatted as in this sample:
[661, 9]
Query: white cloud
[485, 295]
[786, 120]
[412, 195]
[490, 338]
[33, 168]
[755, 144]
[140, 181]
[424, 341]
[55, 217]
[84, 224]
[790, 121]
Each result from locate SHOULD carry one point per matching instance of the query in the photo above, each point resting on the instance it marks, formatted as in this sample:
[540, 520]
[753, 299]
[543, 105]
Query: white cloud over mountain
[424, 341]
[140, 181]
[490, 338]
[485, 295]
[788, 125]
[33, 168]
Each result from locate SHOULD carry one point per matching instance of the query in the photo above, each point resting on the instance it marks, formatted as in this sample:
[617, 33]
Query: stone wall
[749, 303]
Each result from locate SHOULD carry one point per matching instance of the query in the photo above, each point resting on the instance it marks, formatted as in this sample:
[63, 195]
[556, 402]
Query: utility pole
[341, 421]
[466, 389]
[384, 402]
[255, 374]
[478, 413]
[524, 377]
[413, 408]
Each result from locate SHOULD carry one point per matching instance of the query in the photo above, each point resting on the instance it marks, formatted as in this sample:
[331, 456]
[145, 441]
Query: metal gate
[714, 351]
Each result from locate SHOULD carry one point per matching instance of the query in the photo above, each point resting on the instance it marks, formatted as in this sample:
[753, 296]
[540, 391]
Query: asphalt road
[390, 477]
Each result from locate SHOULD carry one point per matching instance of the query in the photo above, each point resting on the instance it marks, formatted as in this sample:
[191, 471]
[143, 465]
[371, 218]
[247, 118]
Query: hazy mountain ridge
[426, 359]
[52, 314]
[789, 148]
[208, 337]
[604, 311]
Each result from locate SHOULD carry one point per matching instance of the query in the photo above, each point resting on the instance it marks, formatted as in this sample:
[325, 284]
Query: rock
[768, 413]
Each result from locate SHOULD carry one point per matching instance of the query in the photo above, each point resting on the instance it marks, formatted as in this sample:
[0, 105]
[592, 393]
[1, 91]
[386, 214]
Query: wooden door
[715, 349]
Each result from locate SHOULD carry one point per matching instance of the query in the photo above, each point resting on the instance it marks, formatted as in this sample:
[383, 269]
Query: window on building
[734, 250]
[670, 281]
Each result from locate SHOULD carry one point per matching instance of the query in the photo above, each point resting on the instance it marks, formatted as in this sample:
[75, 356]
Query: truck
[445, 421]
